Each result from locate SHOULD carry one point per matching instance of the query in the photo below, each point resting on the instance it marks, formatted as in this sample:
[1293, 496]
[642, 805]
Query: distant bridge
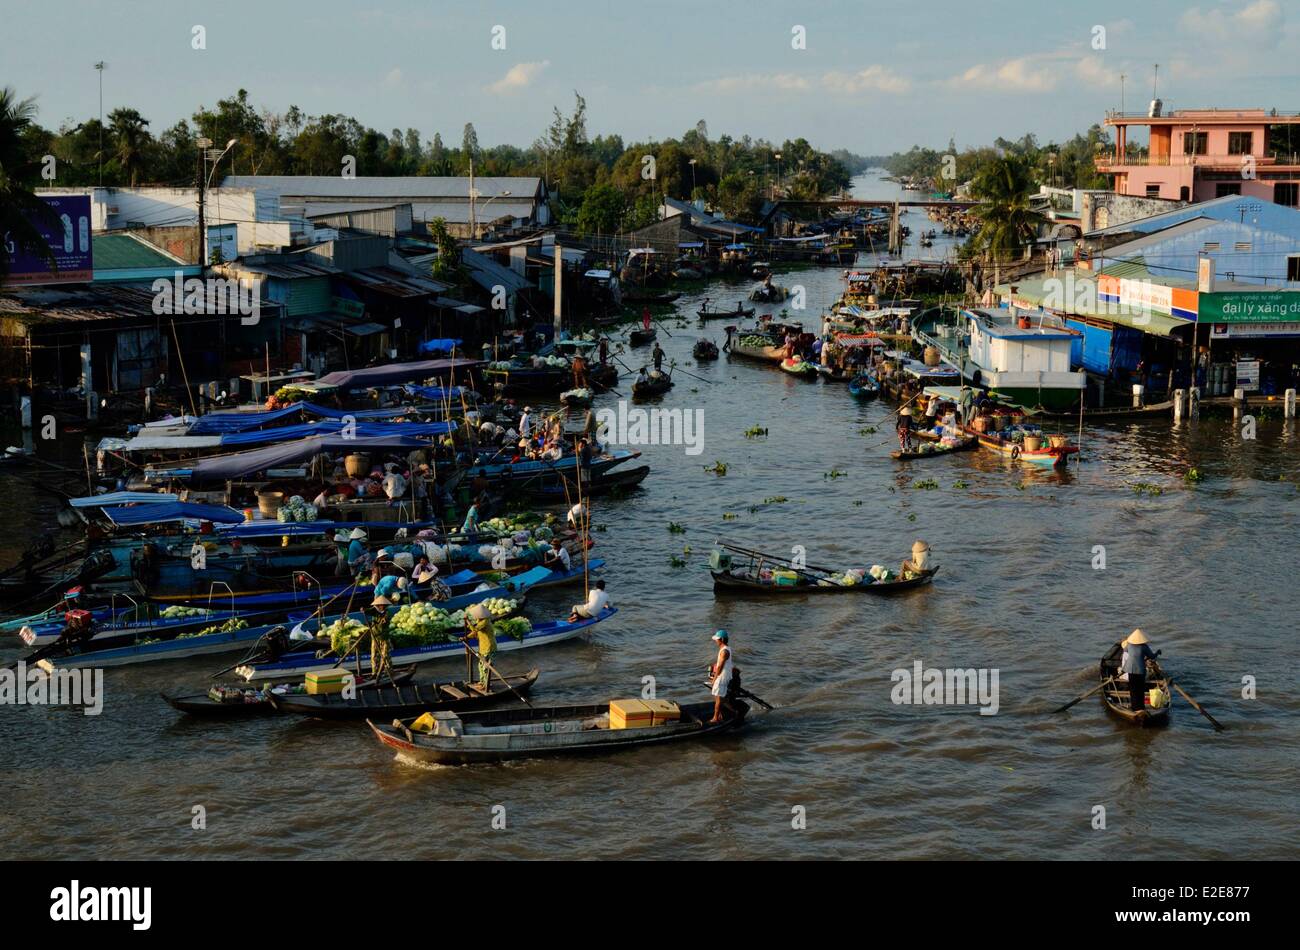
[874, 203]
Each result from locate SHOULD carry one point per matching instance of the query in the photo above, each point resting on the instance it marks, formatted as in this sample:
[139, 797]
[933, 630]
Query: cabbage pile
[583, 394]
[751, 339]
[501, 365]
[176, 610]
[230, 626]
[555, 362]
[296, 509]
[420, 624]
[516, 627]
[342, 633]
[500, 606]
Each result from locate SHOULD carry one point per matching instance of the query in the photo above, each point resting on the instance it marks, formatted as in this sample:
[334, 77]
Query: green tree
[1007, 224]
[131, 141]
[603, 210]
[447, 265]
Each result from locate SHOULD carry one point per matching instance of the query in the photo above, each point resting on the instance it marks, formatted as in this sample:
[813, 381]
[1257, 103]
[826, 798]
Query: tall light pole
[207, 153]
[473, 195]
[692, 164]
[99, 68]
[777, 156]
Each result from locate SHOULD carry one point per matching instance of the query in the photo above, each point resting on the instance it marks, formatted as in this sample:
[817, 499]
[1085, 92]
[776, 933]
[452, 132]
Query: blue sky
[874, 77]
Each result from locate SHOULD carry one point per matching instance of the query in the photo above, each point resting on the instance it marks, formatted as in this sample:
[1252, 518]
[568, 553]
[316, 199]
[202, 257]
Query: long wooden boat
[260, 702]
[405, 700]
[735, 313]
[601, 484]
[1045, 455]
[532, 732]
[1116, 694]
[548, 577]
[641, 336]
[292, 665]
[963, 445]
[764, 354]
[732, 582]
[705, 350]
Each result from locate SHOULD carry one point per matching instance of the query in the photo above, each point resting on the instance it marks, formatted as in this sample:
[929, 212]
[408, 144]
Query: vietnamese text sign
[68, 236]
[1264, 306]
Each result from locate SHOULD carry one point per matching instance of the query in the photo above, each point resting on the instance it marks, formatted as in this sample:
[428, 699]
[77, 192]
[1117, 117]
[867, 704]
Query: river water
[1206, 569]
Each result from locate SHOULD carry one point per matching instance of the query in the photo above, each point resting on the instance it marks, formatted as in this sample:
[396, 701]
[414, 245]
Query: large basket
[269, 502]
[357, 464]
[1058, 441]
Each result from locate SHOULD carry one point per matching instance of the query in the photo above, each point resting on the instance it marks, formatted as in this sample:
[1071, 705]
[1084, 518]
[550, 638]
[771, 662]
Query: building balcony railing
[1199, 161]
[1267, 116]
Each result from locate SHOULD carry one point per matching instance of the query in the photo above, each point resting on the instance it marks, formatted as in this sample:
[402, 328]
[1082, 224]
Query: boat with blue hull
[292, 665]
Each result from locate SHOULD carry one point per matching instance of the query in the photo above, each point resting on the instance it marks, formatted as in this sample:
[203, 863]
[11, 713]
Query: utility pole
[99, 68]
[204, 143]
[473, 228]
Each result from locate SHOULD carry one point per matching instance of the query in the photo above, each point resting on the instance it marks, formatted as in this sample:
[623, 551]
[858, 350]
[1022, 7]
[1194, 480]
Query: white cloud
[518, 77]
[874, 78]
[394, 79]
[1261, 22]
[751, 82]
[1025, 74]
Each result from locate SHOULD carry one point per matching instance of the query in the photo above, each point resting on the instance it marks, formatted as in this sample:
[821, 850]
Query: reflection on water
[1207, 570]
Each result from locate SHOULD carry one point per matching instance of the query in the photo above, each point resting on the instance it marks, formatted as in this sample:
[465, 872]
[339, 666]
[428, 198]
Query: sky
[872, 77]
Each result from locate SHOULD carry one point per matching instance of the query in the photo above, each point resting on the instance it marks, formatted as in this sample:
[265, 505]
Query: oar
[675, 368]
[743, 693]
[1103, 683]
[1195, 705]
[493, 669]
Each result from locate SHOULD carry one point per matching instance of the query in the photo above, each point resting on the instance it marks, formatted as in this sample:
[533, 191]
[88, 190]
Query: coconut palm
[20, 208]
[130, 136]
[1007, 223]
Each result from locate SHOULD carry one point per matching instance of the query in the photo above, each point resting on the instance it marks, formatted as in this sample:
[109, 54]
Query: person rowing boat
[905, 430]
[480, 625]
[1133, 667]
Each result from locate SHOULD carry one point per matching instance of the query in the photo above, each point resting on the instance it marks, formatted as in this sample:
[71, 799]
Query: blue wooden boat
[292, 665]
[547, 577]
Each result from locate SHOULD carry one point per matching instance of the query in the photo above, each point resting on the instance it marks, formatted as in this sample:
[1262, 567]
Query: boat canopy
[362, 430]
[435, 393]
[241, 464]
[442, 345]
[392, 373]
[123, 498]
[171, 511]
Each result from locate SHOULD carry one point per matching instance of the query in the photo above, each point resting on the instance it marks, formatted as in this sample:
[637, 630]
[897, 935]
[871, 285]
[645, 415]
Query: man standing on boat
[657, 354]
[720, 675]
[964, 400]
[1137, 651]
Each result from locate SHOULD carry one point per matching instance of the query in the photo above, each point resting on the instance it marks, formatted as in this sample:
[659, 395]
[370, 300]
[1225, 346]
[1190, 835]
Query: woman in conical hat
[1136, 653]
[919, 562]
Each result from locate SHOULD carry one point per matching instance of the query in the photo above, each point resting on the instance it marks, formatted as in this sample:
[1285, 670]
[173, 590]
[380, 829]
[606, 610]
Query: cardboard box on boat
[323, 682]
[664, 711]
[630, 714]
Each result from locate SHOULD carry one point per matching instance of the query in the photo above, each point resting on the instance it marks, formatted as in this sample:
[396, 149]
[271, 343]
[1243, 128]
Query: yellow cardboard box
[664, 711]
[323, 682]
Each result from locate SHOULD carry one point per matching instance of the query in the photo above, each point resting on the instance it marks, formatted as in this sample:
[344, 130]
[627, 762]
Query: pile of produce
[230, 626]
[849, 578]
[754, 340]
[296, 509]
[176, 610]
[287, 396]
[500, 606]
[421, 624]
[555, 362]
[501, 365]
[582, 395]
[342, 633]
[515, 627]
[880, 573]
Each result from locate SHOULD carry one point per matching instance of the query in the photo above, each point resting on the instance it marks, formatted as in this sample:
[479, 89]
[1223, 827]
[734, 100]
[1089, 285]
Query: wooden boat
[771, 353]
[260, 702]
[963, 445]
[1046, 455]
[300, 663]
[797, 366]
[1116, 694]
[653, 298]
[863, 387]
[641, 336]
[740, 582]
[547, 577]
[405, 700]
[735, 313]
[770, 293]
[532, 732]
[600, 484]
[576, 398]
[656, 384]
[705, 350]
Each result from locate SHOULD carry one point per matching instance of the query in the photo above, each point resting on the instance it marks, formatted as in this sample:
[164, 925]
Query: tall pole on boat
[559, 290]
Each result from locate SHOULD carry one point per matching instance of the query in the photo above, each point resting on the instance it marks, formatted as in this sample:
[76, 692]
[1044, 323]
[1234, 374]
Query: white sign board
[1248, 375]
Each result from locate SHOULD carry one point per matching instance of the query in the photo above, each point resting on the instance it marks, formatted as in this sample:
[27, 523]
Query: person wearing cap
[341, 552]
[597, 600]
[479, 624]
[356, 549]
[526, 423]
[1137, 651]
[380, 645]
[905, 430]
[720, 674]
[423, 572]
[919, 562]
[557, 558]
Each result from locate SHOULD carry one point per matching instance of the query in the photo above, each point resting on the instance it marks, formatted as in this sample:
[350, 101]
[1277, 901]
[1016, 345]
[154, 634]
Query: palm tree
[131, 135]
[20, 208]
[1007, 223]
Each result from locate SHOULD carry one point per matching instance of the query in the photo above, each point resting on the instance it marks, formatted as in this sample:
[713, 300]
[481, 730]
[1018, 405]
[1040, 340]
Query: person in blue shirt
[392, 587]
[471, 520]
[357, 553]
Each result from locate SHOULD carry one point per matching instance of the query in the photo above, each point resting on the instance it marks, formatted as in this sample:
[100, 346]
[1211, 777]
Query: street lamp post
[777, 156]
[99, 68]
[473, 196]
[206, 153]
[692, 164]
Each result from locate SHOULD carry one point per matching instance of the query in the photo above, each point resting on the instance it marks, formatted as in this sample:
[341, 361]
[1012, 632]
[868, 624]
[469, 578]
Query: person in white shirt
[576, 514]
[597, 600]
[526, 423]
[557, 558]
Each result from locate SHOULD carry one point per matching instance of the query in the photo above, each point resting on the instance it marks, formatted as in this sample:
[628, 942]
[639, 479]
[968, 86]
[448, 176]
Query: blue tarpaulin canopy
[445, 345]
[241, 464]
[122, 498]
[437, 393]
[238, 421]
[362, 430]
[172, 511]
[392, 374]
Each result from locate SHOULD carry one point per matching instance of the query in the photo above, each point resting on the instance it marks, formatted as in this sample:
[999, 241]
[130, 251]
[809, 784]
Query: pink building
[1198, 154]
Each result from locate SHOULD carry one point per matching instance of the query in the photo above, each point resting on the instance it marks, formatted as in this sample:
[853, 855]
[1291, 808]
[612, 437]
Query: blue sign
[68, 237]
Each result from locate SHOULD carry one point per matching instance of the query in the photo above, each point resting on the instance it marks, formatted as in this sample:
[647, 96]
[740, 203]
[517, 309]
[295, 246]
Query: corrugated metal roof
[378, 188]
[76, 303]
[395, 283]
[487, 273]
[1241, 208]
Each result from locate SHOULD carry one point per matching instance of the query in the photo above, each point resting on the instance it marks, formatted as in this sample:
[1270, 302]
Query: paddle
[1219, 727]
[493, 669]
[746, 694]
[1103, 683]
[674, 367]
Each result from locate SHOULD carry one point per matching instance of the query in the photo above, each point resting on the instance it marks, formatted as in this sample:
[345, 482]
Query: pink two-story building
[1198, 154]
